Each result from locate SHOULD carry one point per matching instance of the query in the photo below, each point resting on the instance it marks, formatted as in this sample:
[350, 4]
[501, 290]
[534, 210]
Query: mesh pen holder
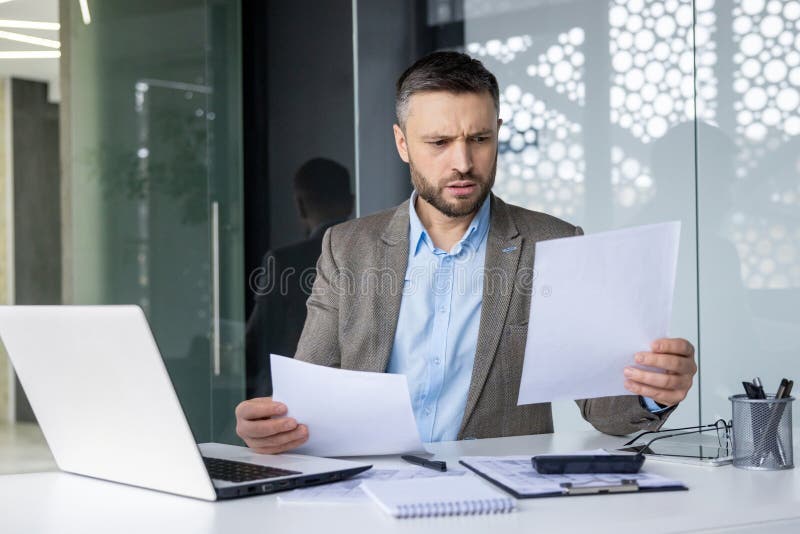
[762, 433]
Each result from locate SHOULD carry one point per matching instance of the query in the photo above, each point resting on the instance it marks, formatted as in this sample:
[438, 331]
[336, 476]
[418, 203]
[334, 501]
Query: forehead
[443, 110]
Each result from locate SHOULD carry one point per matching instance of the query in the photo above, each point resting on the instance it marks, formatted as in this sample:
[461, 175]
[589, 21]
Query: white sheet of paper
[597, 300]
[348, 413]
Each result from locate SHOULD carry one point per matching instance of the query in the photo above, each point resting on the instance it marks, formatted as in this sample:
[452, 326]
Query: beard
[434, 194]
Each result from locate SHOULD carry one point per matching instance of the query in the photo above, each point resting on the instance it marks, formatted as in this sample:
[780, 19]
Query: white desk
[719, 499]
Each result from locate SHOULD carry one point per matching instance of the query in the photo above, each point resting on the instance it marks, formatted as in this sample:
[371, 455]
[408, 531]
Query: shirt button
[427, 411]
[437, 361]
[442, 309]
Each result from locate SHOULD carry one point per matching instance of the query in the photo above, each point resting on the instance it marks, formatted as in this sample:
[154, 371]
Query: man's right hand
[257, 425]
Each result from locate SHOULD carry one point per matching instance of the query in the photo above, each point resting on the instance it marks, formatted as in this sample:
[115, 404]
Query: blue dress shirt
[437, 330]
[652, 405]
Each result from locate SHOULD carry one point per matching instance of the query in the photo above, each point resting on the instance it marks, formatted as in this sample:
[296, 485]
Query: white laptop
[97, 383]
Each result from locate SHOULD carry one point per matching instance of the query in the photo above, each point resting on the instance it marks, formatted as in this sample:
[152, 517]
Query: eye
[438, 142]
[481, 138]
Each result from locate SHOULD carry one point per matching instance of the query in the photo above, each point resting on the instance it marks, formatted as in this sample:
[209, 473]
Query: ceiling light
[38, 54]
[29, 24]
[30, 39]
[87, 17]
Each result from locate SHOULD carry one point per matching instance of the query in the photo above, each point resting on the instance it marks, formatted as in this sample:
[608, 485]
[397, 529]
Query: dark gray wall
[387, 45]
[37, 209]
[310, 99]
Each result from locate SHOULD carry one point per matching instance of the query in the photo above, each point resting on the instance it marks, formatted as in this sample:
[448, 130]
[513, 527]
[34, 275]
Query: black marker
[750, 389]
[759, 388]
[430, 464]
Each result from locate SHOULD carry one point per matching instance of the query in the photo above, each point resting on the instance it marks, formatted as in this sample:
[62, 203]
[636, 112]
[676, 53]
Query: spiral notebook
[440, 496]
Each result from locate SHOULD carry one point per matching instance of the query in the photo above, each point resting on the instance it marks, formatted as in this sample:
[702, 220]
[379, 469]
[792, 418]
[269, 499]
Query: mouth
[461, 188]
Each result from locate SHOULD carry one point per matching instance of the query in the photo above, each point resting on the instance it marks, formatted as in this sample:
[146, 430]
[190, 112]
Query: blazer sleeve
[319, 342]
[621, 415]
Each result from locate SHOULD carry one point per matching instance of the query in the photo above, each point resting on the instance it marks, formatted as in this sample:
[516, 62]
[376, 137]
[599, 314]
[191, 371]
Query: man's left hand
[676, 357]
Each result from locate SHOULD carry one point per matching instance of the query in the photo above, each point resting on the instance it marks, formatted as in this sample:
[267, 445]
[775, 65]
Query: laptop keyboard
[242, 472]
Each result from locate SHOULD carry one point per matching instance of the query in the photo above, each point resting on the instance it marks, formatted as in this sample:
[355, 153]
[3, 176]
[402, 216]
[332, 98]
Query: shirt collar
[477, 230]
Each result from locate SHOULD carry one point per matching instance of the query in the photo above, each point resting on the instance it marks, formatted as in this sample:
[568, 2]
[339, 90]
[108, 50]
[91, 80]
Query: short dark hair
[444, 71]
[323, 182]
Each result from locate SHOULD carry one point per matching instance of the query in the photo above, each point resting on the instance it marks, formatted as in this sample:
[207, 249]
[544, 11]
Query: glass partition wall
[748, 183]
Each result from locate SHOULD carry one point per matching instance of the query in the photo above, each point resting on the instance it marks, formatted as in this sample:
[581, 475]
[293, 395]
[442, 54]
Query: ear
[400, 142]
[301, 207]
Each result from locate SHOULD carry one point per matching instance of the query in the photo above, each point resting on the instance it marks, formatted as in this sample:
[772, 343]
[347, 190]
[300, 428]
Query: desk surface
[719, 499]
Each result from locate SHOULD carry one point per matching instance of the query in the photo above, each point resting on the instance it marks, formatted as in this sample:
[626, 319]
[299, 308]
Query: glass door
[153, 185]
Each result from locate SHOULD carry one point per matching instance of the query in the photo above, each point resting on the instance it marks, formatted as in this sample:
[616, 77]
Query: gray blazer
[355, 303]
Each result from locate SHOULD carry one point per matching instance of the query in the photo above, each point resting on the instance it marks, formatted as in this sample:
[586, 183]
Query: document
[517, 475]
[349, 490]
[348, 413]
[597, 300]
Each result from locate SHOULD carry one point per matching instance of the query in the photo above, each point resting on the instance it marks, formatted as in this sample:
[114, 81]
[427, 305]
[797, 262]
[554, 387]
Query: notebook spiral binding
[448, 508]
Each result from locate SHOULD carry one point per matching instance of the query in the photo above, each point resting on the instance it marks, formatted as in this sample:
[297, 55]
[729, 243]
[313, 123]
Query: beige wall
[5, 235]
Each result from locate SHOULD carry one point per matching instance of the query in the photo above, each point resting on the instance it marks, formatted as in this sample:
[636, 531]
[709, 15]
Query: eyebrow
[445, 136]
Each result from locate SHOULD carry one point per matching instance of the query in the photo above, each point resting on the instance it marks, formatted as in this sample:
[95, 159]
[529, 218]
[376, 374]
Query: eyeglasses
[721, 427]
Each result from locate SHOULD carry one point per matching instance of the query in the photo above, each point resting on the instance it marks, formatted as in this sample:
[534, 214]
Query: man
[429, 289]
[283, 282]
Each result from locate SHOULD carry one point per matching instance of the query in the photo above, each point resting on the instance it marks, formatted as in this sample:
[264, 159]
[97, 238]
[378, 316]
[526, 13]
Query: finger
[259, 409]
[670, 362]
[283, 448]
[667, 397]
[279, 440]
[656, 379]
[264, 428]
[673, 346]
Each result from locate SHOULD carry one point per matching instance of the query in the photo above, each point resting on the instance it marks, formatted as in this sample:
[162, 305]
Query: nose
[462, 158]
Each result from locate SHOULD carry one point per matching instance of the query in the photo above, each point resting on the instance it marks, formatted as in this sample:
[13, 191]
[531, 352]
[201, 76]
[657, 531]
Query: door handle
[215, 334]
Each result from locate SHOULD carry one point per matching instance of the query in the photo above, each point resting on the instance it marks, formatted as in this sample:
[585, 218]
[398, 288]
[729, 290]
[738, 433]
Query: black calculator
[575, 464]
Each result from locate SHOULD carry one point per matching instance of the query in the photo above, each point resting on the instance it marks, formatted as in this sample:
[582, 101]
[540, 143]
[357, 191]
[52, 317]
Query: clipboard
[515, 475]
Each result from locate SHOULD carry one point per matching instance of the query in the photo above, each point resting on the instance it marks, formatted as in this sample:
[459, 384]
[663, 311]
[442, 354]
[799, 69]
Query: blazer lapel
[503, 247]
[385, 303]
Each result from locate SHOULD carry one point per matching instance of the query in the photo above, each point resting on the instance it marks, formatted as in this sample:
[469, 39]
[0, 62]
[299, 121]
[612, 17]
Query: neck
[444, 231]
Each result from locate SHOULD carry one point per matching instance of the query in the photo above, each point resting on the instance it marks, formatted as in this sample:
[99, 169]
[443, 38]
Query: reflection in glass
[283, 283]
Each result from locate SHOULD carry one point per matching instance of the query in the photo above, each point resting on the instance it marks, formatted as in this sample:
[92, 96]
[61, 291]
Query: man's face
[450, 144]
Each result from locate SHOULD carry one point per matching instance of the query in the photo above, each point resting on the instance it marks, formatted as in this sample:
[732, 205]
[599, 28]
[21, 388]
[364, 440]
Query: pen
[430, 464]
